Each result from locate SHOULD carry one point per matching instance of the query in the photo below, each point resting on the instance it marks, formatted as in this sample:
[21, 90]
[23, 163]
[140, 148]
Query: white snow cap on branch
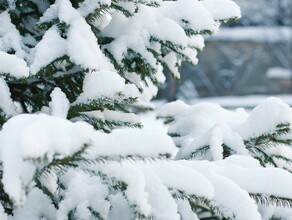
[210, 125]
[35, 137]
[12, 65]
[42, 136]
[6, 103]
[81, 44]
[59, 104]
[228, 9]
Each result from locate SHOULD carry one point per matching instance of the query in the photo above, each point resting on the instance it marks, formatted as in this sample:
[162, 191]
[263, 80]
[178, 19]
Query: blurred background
[245, 60]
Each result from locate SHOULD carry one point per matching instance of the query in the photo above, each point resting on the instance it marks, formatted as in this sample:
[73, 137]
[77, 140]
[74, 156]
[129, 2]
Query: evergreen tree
[101, 58]
[79, 69]
[209, 132]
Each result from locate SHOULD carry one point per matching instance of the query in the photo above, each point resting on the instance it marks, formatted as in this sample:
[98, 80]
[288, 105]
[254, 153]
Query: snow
[10, 39]
[193, 12]
[59, 104]
[38, 136]
[37, 206]
[51, 47]
[262, 177]
[89, 6]
[3, 215]
[199, 118]
[166, 24]
[119, 207]
[124, 142]
[209, 125]
[101, 83]
[146, 162]
[169, 171]
[129, 33]
[81, 44]
[171, 61]
[151, 124]
[12, 65]
[162, 204]
[6, 103]
[196, 41]
[91, 193]
[226, 182]
[231, 180]
[228, 9]
[265, 117]
[186, 210]
[34, 137]
[116, 116]
[131, 91]
[247, 102]
[135, 180]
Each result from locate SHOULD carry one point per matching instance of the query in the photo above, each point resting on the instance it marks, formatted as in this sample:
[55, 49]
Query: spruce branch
[5, 201]
[270, 200]
[199, 205]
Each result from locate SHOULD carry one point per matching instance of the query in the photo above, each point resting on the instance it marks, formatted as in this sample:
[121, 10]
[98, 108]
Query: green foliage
[260, 146]
[203, 207]
[33, 92]
[271, 200]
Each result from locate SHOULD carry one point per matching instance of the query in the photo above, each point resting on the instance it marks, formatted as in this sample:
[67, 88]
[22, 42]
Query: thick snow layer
[171, 61]
[59, 104]
[228, 9]
[129, 33]
[33, 137]
[229, 197]
[13, 65]
[89, 6]
[197, 119]
[42, 136]
[225, 182]
[162, 204]
[193, 11]
[3, 215]
[37, 206]
[151, 124]
[101, 83]
[51, 47]
[6, 103]
[265, 117]
[10, 37]
[81, 44]
[207, 124]
[232, 182]
[124, 142]
[133, 176]
[186, 210]
[234, 102]
[118, 116]
[196, 41]
[91, 193]
[170, 171]
[280, 178]
[167, 24]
